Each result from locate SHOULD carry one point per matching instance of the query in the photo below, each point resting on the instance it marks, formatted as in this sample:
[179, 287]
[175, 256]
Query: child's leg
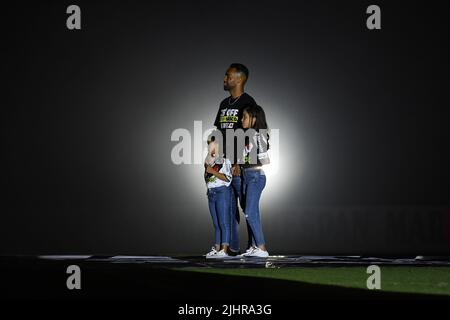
[251, 242]
[212, 210]
[236, 195]
[223, 214]
[255, 183]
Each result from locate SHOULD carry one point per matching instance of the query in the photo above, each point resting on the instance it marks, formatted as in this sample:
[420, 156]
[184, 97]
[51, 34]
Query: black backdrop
[88, 115]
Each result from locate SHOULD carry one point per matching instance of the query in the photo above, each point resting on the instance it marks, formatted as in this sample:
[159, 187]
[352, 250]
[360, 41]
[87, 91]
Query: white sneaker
[257, 253]
[220, 255]
[249, 250]
[213, 252]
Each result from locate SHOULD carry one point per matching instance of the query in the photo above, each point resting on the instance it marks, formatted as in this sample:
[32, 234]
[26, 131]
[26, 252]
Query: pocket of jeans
[259, 178]
[253, 178]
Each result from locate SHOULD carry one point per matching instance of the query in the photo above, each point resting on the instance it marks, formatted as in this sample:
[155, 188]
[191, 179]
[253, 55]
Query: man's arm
[236, 170]
[216, 121]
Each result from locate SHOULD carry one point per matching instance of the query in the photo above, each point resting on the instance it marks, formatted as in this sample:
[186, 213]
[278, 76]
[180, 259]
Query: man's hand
[236, 170]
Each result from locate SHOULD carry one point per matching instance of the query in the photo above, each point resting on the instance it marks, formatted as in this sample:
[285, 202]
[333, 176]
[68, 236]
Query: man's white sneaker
[220, 255]
[257, 253]
[212, 253]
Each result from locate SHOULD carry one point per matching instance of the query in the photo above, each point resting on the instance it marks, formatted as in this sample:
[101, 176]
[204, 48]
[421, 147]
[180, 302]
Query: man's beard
[226, 87]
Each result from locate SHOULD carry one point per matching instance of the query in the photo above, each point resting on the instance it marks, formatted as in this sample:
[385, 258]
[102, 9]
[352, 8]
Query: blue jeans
[254, 181]
[219, 207]
[236, 194]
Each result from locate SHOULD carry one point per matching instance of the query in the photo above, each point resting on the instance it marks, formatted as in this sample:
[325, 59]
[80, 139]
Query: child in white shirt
[218, 179]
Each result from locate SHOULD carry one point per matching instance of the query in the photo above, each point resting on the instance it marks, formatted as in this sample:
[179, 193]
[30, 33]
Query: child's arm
[219, 175]
[263, 147]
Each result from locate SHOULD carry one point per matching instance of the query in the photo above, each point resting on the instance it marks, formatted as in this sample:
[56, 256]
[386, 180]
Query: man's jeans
[254, 181]
[219, 207]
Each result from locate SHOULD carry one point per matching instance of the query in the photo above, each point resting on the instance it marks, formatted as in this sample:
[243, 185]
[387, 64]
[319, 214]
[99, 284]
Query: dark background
[88, 115]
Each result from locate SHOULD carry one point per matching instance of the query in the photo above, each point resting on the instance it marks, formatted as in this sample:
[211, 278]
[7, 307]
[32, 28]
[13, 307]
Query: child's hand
[210, 170]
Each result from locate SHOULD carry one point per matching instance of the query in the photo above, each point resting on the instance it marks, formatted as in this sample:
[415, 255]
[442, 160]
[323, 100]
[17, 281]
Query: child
[218, 179]
[254, 178]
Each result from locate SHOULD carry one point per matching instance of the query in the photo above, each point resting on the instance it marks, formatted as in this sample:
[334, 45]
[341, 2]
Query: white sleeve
[263, 146]
[226, 169]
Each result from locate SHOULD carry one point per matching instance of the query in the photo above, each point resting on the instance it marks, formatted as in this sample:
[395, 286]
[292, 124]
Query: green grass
[426, 280]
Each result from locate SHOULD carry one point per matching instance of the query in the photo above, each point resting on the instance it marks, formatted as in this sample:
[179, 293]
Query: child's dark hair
[255, 111]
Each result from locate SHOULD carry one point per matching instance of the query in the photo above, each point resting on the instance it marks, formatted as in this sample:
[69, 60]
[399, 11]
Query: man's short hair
[240, 68]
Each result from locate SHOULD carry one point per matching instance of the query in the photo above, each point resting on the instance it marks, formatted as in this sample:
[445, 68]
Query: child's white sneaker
[212, 253]
[257, 253]
[220, 255]
[250, 250]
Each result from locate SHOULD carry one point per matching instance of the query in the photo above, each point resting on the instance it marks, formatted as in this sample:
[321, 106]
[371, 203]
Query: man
[229, 116]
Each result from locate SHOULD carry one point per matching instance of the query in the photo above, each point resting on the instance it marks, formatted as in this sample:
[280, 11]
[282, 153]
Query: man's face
[231, 79]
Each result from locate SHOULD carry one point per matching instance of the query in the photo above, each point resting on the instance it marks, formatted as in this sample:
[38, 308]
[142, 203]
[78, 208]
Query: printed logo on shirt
[228, 117]
[227, 125]
[229, 112]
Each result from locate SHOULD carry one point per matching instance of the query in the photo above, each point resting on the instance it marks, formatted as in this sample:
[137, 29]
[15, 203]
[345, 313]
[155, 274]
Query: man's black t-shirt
[229, 116]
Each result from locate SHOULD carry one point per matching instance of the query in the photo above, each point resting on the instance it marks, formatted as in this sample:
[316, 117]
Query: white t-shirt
[223, 166]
